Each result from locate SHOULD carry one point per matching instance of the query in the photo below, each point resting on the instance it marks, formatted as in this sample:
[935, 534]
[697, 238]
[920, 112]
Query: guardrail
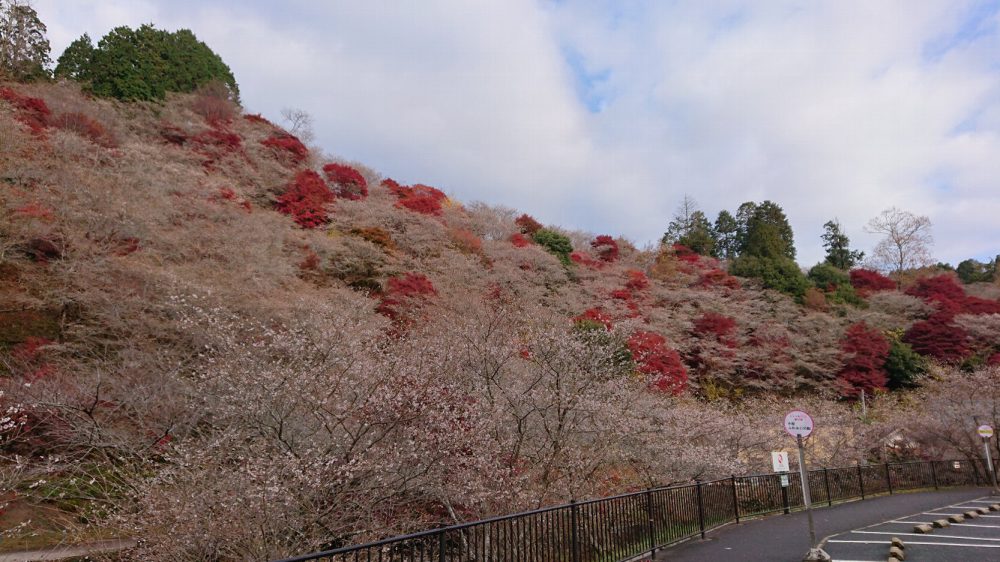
[628, 526]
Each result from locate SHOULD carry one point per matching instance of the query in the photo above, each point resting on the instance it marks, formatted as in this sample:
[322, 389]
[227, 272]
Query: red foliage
[257, 118]
[30, 349]
[421, 204]
[419, 197]
[402, 296]
[528, 224]
[606, 248]
[715, 324]
[717, 278]
[519, 240]
[866, 279]
[685, 254]
[636, 280]
[86, 127]
[994, 360]
[350, 183]
[224, 141]
[465, 241]
[31, 111]
[950, 296]
[305, 200]
[584, 259]
[865, 350]
[596, 314]
[660, 363]
[310, 263]
[228, 194]
[126, 246]
[938, 338]
[621, 294]
[288, 145]
[35, 211]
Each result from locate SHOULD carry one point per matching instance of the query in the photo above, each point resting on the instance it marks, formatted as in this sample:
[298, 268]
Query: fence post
[934, 475]
[826, 479]
[888, 478]
[649, 519]
[701, 509]
[861, 481]
[574, 547]
[784, 494]
[736, 502]
[441, 547]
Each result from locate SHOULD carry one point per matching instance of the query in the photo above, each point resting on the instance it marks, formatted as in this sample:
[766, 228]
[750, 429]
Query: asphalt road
[785, 538]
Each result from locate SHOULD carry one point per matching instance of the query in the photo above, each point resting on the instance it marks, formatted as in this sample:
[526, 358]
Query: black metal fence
[631, 525]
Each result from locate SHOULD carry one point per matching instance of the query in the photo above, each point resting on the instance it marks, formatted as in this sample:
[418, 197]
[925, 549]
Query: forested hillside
[232, 346]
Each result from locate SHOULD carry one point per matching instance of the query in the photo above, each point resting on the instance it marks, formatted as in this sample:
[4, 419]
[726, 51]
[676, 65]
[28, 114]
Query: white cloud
[833, 109]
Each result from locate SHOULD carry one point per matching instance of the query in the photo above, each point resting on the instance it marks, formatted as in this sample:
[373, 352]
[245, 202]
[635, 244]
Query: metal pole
[575, 550]
[441, 557]
[805, 491]
[649, 516]
[888, 478]
[736, 502]
[701, 509]
[826, 478]
[861, 481]
[934, 475]
[989, 462]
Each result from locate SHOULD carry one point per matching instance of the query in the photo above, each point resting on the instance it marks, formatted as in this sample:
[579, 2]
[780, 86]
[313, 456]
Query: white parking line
[931, 523]
[923, 543]
[923, 535]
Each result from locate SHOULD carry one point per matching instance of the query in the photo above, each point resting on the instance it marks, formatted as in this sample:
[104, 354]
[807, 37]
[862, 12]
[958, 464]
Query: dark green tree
[838, 251]
[779, 273]
[974, 271]
[74, 63]
[145, 64]
[903, 365]
[768, 233]
[699, 235]
[743, 215]
[24, 48]
[727, 239]
[555, 243]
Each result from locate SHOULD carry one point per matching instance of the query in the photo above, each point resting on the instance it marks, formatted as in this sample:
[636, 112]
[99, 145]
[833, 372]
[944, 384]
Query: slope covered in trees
[211, 333]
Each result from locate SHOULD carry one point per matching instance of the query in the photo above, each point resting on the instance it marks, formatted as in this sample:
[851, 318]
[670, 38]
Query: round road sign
[798, 423]
[985, 431]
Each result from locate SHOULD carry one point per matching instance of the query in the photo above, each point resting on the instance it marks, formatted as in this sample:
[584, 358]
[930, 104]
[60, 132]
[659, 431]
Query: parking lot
[971, 539]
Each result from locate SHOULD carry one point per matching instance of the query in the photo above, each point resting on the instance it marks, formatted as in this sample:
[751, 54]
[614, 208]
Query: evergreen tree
[145, 64]
[768, 233]
[837, 244]
[74, 63]
[727, 243]
[24, 49]
[743, 215]
[699, 236]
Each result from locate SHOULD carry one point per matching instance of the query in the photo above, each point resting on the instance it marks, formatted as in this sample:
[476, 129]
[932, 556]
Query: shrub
[814, 299]
[636, 280]
[827, 277]
[606, 248]
[421, 204]
[257, 118]
[938, 337]
[950, 296]
[419, 198]
[528, 225]
[865, 351]
[85, 127]
[661, 365]
[403, 296]
[557, 244]
[868, 280]
[465, 241]
[715, 324]
[519, 240]
[288, 146]
[224, 141]
[584, 259]
[376, 236]
[349, 182]
[903, 365]
[717, 278]
[32, 112]
[594, 317]
[780, 274]
[211, 101]
[306, 199]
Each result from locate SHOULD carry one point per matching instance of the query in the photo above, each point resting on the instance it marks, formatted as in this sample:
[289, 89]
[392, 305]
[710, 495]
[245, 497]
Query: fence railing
[628, 526]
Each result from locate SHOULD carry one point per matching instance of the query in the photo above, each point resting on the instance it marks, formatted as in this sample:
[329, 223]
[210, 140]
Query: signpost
[986, 432]
[799, 425]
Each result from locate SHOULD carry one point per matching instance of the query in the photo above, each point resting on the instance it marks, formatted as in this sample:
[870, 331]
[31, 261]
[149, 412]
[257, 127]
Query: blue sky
[600, 116]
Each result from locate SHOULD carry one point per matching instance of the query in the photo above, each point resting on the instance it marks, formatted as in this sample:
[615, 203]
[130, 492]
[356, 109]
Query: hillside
[236, 347]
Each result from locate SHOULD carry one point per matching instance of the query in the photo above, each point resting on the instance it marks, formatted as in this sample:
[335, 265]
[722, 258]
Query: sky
[602, 115]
